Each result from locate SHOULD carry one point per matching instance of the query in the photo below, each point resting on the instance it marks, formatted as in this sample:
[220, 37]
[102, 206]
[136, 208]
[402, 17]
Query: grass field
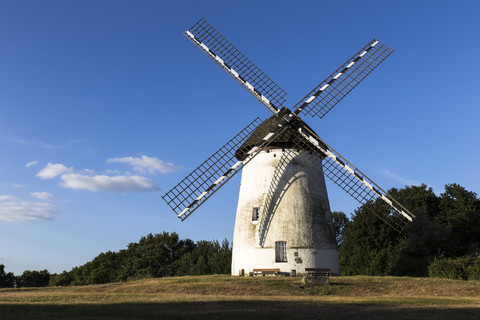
[225, 297]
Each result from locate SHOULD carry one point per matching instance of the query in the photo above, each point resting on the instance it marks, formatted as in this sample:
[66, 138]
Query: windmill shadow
[277, 189]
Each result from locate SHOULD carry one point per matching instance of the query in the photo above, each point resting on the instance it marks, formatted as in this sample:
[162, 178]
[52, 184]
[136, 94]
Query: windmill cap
[285, 140]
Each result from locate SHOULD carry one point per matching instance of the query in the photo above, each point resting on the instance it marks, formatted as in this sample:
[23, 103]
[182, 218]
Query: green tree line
[27, 279]
[159, 255]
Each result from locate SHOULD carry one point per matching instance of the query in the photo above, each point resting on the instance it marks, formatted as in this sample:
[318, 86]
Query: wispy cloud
[31, 163]
[119, 183]
[145, 164]
[398, 178]
[14, 209]
[30, 142]
[6, 197]
[52, 170]
[42, 196]
[81, 145]
[13, 185]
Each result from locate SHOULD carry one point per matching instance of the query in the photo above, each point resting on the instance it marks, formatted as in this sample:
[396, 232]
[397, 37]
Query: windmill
[283, 216]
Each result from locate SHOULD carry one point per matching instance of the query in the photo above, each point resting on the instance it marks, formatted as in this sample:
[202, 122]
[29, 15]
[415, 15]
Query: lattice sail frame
[214, 172]
[335, 87]
[214, 45]
[349, 178]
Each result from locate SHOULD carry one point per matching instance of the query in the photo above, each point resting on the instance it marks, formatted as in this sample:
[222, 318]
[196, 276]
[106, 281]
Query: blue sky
[104, 105]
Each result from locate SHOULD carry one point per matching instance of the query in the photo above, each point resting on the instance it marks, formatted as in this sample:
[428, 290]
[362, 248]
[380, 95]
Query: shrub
[462, 268]
[474, 271]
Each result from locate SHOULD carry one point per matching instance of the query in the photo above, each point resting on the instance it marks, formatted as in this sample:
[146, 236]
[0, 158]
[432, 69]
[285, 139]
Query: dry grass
[221, 297]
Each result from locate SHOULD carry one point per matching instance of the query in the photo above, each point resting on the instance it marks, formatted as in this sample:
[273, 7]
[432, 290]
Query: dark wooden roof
[285, 140]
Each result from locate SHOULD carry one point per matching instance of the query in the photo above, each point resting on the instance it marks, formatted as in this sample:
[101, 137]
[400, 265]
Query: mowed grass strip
[225, 297]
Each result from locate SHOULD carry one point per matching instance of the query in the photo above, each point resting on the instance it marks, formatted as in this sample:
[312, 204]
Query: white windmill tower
[283, 217]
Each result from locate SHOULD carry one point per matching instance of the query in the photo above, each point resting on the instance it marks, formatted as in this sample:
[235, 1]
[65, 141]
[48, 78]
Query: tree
[7, 280]
[63, 279]
[369, 244]
[34, 279]
[153, 255]
[208, 257]
[426, 239]
[340, 223]
[372, 247]
[460, 212]
[418, 198]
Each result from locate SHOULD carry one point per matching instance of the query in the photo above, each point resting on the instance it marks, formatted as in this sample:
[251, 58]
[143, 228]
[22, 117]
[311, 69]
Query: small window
[255, 214]
[281, 251]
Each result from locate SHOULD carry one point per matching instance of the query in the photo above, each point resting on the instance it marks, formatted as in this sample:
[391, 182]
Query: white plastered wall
[298, 213]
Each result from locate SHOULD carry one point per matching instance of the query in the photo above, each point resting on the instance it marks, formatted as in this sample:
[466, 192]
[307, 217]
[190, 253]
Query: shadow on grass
[251, 310]
[340, 284]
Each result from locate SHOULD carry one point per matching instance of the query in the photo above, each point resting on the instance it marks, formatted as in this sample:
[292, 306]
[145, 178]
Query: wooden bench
[264, 272]
[314, 276]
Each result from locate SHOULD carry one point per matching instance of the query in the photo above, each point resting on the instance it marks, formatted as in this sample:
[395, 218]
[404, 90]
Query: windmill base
[300, 260]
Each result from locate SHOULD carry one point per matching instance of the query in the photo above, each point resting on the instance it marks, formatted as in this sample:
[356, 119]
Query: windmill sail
[284, 130]
[335, 87]
[349, 178]
[213, 44]
[207, 178]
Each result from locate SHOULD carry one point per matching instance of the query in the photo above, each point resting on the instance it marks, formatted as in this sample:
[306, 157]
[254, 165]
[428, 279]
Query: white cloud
[6, 197]
[42, 196]
[14, 209]
[87, 179]
[146, 164]
[120, 183]
[31, 163]
[112, 172]
[398, 178]
[52, 170]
